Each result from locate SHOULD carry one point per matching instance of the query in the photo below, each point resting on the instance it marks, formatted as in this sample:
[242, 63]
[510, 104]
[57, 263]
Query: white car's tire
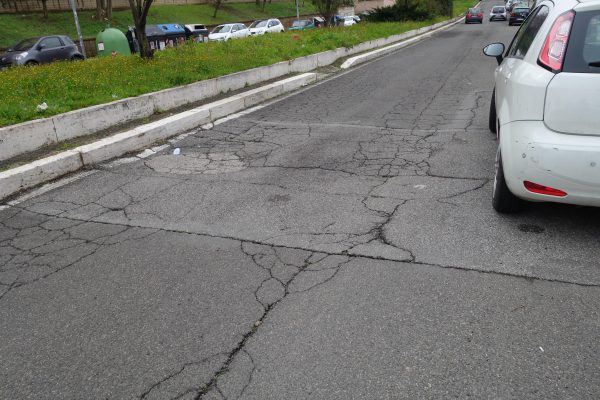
[503, 200]
[493, 119]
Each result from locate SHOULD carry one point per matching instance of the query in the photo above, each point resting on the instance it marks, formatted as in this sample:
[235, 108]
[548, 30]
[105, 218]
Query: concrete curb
[49, 168]
[32, 135]
[390, 49]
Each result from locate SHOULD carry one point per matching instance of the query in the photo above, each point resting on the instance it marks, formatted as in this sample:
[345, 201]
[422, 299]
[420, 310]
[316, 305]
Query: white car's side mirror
[494, 50]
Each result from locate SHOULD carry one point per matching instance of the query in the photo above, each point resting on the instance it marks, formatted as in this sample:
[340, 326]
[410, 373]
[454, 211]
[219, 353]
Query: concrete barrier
[30, 136]
[93, 119]
[423, 33]
[37, 172]
[26, 137]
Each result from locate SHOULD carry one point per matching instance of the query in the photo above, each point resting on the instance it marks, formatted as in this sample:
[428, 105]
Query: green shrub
[402, 11]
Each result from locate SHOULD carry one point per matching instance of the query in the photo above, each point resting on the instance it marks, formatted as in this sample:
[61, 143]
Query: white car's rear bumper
[532, 152]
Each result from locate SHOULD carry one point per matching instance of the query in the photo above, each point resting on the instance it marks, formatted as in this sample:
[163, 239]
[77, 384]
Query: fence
[18, 6]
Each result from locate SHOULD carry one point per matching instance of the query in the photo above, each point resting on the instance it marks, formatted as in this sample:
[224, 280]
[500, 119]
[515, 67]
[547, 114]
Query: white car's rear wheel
[492, 123]
[503, 200]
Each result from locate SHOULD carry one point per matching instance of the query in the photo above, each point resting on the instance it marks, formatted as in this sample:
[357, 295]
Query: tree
[446, 7]
[217, 4]
[139, 9]
[104, 9]
[45, 8]
[327, 9]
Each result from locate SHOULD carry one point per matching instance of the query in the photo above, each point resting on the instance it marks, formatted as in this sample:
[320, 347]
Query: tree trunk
[98, 9]
[328, 13]
[217, 5]
[145, 50]
[139, 10]
[109, 7]
[45, 8]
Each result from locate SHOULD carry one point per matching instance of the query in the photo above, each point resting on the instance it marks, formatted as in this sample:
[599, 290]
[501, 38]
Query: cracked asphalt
[337, 244]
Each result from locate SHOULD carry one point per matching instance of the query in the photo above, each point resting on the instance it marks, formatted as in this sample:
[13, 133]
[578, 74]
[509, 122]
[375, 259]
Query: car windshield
[258, 24]
[474, 10]
[24, 44]
[498, 9]
[222, 29]
[300, 23]
[521, 9]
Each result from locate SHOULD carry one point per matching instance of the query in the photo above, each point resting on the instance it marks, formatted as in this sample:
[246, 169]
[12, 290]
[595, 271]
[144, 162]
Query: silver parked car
[498, 12]
[40, 50]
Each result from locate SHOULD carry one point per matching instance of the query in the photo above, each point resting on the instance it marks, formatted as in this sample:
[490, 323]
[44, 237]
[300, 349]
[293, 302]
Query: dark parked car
[40, 50]
[196, 32]
[518, 15]
[474, 15]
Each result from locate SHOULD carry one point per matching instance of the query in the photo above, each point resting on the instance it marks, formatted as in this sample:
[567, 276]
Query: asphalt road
[337, 244]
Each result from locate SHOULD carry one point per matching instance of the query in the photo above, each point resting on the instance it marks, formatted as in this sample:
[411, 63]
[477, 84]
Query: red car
[474, 15]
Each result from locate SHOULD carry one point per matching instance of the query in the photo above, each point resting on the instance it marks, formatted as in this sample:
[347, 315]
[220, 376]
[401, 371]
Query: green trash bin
[109, 40]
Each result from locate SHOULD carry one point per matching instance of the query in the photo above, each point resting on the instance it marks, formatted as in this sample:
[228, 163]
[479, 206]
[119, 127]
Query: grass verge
[15, 27]
[67, 86]
[461, 6]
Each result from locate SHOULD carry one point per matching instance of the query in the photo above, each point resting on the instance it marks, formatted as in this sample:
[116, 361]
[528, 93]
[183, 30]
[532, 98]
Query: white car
[349, 21]
[546, 107]
[261, 27]
[498, 12]
[228, 31]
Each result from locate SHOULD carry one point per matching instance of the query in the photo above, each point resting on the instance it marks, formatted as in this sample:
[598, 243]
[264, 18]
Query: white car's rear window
[583, 49]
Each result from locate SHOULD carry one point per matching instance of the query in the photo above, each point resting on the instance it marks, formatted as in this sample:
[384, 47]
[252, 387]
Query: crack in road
[393, 155]
[266, 258]
[22, 265]
[5, 245]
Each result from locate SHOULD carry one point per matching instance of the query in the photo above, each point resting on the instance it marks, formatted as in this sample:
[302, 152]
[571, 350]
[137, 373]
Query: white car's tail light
[541, 189]
[555, 46]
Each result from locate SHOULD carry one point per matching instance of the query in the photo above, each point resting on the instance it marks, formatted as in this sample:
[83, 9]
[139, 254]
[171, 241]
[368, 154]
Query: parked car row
[232, 31]
[514, 12]
[544, 107]
[47, 49]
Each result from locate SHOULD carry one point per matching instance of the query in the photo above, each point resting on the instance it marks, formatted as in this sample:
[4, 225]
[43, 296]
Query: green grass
[17, 27]
[67, 86]
[461, 6]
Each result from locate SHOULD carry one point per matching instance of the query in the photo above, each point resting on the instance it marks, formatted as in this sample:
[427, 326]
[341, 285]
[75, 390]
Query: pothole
[197, 163]
[530, 228]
